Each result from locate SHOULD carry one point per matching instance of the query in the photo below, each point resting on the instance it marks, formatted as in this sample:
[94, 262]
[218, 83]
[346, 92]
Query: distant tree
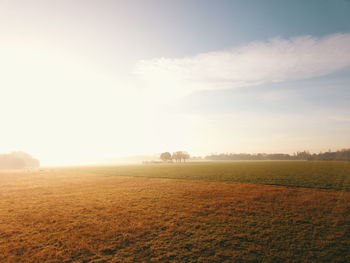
[343, 154]
[18, 160]
[305, 155]
[166, 156]
[180, 155]
[177, 156]
[185, 156]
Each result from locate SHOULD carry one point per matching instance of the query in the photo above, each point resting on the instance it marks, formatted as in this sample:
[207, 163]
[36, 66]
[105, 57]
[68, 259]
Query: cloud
[276, 60]
[340, 118]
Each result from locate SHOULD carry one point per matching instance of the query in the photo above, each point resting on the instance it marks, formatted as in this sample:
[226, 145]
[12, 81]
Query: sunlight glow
[107, 82]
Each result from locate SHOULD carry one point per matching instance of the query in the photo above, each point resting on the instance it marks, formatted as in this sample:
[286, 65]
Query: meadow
[310, 174]
[193, 212]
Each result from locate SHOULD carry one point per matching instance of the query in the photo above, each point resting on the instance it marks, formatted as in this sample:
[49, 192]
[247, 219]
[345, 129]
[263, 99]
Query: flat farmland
[209, 212]
[309, 174]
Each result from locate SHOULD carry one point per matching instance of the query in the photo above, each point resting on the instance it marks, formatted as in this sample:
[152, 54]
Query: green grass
[309, 174]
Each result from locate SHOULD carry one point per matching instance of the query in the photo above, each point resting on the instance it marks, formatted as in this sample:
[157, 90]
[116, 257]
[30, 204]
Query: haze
[84, 81]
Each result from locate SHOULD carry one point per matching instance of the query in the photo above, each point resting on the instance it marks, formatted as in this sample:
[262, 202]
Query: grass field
[89, 214]
[310, 174]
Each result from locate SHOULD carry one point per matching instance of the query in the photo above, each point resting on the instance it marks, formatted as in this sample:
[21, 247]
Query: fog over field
[84, 81]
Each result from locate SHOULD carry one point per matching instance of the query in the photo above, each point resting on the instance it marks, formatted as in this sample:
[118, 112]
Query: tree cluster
[178, 156]
[341, 155]
[18, 160]
[304, 155]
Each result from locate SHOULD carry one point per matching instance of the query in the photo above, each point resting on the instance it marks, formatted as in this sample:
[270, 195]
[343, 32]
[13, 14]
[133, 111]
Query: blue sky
[122, 77]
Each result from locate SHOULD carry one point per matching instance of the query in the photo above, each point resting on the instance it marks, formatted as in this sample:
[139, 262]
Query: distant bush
[18, 160]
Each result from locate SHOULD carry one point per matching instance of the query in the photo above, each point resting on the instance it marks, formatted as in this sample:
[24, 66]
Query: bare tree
[185, 156]
[177, 156]
[180, 155]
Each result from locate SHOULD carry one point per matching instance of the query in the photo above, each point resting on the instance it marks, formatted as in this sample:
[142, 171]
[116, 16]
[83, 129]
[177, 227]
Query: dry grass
[65, 216]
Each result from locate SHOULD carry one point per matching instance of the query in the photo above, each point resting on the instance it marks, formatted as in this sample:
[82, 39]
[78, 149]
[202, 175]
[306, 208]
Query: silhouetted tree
[343, 154]
[180, 155]
[185, 156]
[166, 156]
[177, 156]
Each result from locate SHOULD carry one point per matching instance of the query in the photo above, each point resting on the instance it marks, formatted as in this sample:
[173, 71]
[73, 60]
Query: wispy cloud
[256, 63]
[340, 119]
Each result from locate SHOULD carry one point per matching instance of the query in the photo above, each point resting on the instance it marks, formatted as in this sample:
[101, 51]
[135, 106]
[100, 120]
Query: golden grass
[65, 216]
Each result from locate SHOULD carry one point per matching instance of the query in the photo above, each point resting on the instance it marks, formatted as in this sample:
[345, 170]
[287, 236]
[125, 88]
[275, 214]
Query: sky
[84, 81]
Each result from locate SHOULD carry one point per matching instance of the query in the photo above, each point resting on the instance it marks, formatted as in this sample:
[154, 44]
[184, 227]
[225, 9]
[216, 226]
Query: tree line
[343, 154]
[18, 160]
[178, 156]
